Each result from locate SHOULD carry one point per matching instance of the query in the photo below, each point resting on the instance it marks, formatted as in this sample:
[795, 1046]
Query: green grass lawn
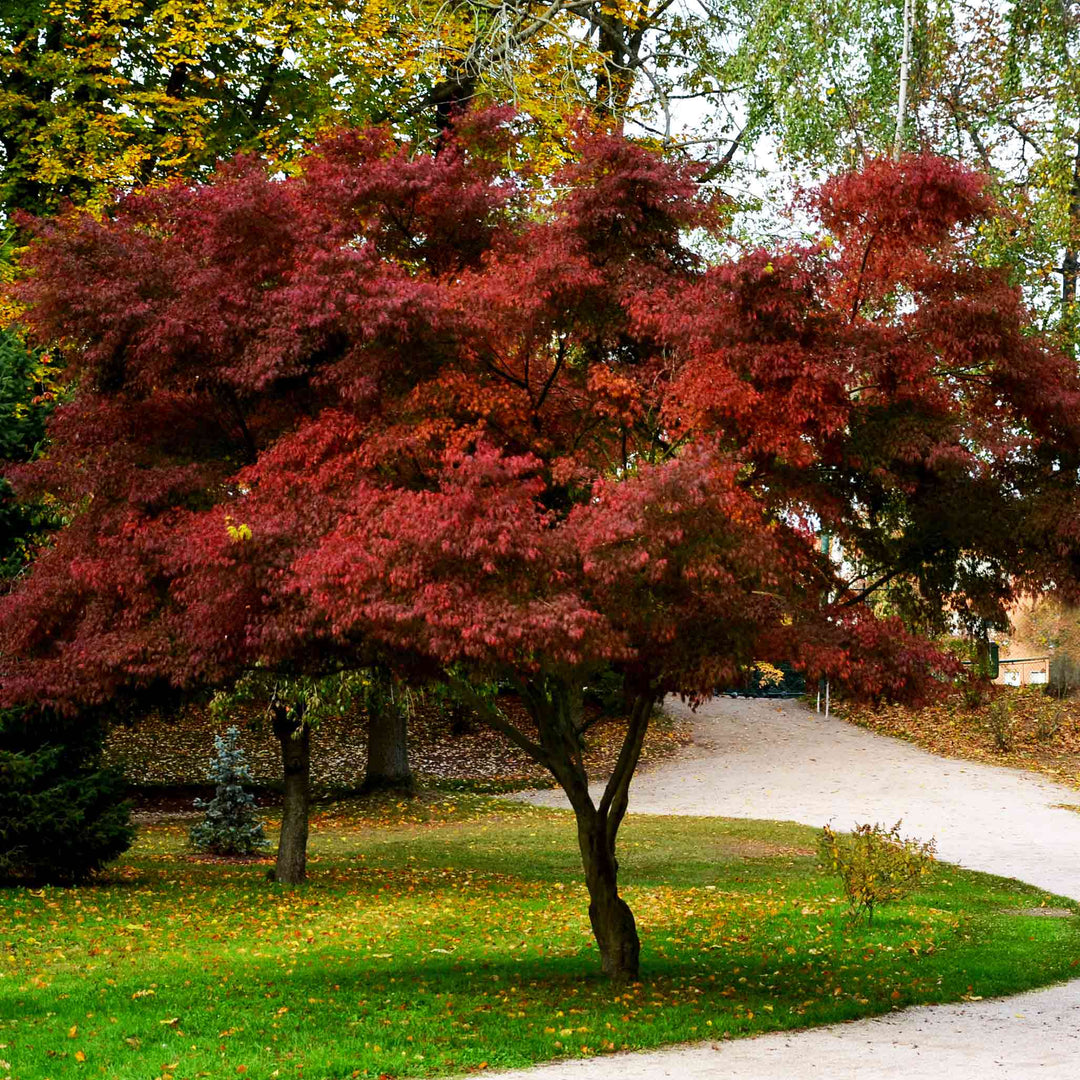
[453, 936]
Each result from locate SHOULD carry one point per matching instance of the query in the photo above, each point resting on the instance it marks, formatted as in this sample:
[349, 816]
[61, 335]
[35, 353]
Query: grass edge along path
[457, 940]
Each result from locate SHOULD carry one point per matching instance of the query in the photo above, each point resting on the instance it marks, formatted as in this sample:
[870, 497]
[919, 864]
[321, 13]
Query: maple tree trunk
[612, 920]
[613, 924]
[295, 739]
[388, 752]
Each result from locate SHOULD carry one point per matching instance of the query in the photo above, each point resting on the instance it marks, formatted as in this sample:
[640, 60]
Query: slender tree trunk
[554, 703]
[262, 95]
[1070, 266]
[612, 921]
[905, 68]
[1070, 263]
[388, 752]
[295, 739]
[558, 716]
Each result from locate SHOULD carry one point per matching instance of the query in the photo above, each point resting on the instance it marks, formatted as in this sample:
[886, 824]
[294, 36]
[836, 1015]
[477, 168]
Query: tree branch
[714, 170]
[865, 592]
[556, 368]
[495, 719]
[616, 795]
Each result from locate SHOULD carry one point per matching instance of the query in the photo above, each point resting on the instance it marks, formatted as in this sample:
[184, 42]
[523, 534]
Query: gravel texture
[770, 759]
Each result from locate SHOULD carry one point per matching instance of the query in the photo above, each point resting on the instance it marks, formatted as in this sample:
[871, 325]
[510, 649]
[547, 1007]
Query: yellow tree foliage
[103, 94]
[112, 93]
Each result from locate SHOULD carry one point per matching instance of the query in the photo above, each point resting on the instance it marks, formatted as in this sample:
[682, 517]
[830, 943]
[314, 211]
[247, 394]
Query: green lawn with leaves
[450, 934]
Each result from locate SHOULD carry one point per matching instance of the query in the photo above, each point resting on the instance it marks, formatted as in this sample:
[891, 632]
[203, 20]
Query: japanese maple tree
[405, 402]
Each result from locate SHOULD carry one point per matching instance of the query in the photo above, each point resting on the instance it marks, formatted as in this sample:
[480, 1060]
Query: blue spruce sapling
[230, 825]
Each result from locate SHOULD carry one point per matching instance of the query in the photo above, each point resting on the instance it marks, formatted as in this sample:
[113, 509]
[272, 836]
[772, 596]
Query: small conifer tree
[229, 825]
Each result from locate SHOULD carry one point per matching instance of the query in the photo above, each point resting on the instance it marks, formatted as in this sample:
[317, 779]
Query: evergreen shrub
[63, 815]
[230, 825]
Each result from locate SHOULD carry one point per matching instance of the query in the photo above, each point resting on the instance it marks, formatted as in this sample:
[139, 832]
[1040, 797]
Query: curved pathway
[779, 760]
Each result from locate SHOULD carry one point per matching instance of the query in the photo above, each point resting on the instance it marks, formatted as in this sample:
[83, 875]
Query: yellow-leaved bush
[876, 864]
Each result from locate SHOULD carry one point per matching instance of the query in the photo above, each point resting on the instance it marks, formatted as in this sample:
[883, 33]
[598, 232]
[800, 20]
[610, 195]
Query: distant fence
[1024, 671]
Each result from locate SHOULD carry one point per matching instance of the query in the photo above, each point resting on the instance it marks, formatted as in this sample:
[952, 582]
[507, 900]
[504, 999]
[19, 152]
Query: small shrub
[1048, 723]
[229, 825]
[63, 815]
[974, 691]
[876, 865]
[1000, 723]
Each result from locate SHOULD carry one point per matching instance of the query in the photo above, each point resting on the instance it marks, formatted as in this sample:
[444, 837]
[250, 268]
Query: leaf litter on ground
[1043, 732]
[445, 933]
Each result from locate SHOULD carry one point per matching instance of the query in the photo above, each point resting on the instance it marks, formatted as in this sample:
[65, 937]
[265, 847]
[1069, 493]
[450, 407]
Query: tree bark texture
[295, 739]
[1070, 263]
[557, 711]
[388, 752]
[612, 921]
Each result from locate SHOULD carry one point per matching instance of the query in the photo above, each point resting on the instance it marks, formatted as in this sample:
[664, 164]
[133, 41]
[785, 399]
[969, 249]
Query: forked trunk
[295, 739]
[561, 726]
[388, 752]
[612, 920]
[554, 703]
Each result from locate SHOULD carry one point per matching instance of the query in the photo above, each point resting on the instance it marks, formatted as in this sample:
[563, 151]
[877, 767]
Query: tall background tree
[994, 86]
[99, 96]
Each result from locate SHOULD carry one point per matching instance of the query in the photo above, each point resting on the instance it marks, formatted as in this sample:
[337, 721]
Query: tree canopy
[411, 400]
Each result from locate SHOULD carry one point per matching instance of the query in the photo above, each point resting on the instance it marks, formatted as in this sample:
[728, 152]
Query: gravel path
[779, 760]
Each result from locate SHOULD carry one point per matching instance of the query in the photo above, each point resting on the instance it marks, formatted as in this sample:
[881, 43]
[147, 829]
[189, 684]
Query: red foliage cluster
[407, 399]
